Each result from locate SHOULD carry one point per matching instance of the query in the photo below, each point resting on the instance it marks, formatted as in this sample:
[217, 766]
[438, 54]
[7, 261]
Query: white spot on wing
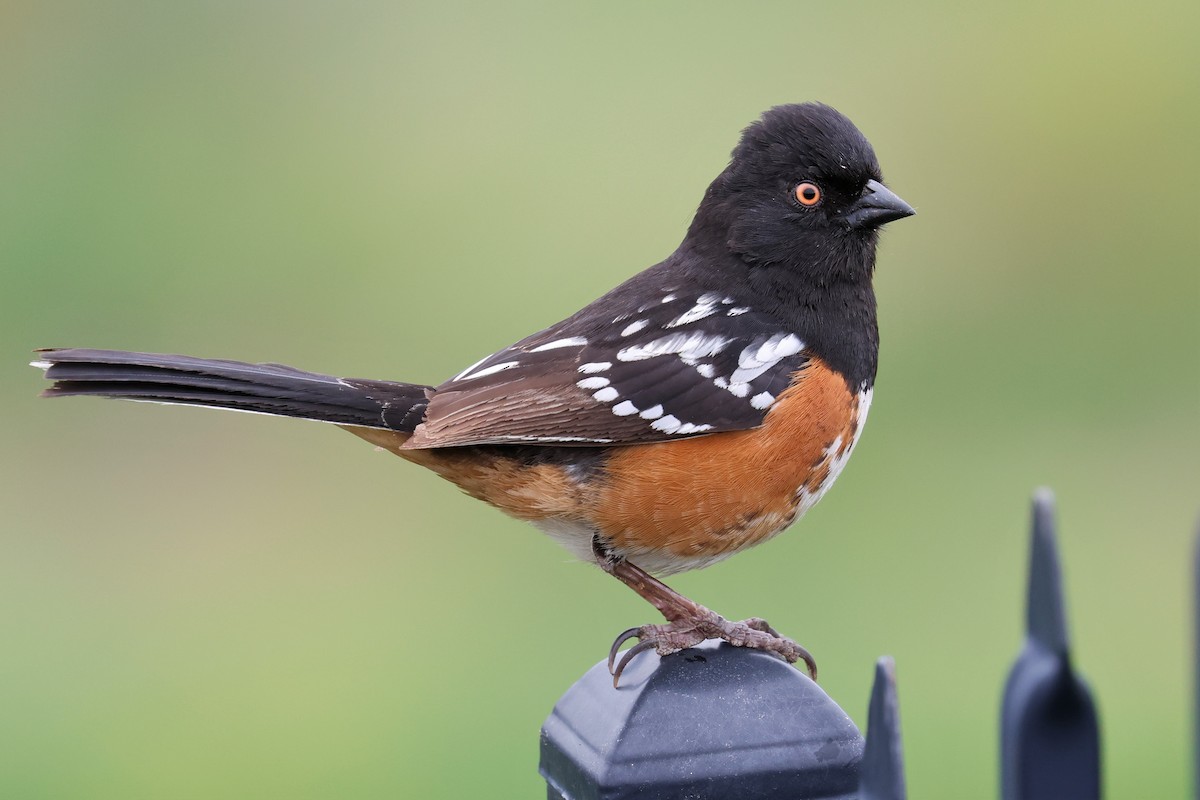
[40, 364]
[739, 389]
[624, 409]
[606, 395]
[594, 366]
[688, 346]
[706, 370]
[573, 341]
[492, 370]
[667, 424]
[593, 383]
[737, 311]
[762, 400]
[754, 361]
[706, 306]
[634, 327]
[654, 412]
[466, 371]
[780, 346]
[551, 439]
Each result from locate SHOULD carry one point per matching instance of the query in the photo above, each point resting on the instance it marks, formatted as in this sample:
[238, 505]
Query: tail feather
[262, 388]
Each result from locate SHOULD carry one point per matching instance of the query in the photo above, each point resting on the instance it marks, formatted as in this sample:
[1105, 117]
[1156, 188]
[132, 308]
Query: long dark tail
[261, 388]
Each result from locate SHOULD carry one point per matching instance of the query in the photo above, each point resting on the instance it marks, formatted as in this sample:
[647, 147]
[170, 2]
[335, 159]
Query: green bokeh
[205, 605]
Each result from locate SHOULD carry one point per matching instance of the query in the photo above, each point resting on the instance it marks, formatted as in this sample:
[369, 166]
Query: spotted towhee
[695, 410]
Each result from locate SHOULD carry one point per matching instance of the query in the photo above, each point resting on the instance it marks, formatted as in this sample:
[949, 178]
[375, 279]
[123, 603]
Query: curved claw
[632, 652]
[760, 624]
[809, 662]
[625, 636]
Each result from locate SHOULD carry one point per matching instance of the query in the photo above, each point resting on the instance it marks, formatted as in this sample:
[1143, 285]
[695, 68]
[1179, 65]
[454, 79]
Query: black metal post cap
[711, 722]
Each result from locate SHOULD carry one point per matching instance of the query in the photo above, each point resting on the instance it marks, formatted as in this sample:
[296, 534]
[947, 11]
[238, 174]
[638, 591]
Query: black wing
[682, 365]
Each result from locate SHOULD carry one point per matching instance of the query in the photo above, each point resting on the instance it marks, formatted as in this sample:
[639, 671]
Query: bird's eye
[808, 194]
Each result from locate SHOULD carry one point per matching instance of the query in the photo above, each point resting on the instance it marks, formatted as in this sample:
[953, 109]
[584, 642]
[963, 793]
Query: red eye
[808, 194]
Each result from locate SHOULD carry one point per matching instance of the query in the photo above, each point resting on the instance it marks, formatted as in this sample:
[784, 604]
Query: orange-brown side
[695, 499]
[714, 495]
[527, 492]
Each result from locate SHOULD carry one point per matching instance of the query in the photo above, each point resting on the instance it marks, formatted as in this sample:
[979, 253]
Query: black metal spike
[1049, 737]
[1045, 614]
[882, 776]
[1196, 667]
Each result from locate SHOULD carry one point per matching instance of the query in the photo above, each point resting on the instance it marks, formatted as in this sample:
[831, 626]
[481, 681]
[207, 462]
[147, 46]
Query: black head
[803, 191]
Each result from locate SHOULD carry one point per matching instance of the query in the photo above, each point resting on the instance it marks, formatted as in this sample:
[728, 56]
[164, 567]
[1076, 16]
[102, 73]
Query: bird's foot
[688, 623]
[697, 625]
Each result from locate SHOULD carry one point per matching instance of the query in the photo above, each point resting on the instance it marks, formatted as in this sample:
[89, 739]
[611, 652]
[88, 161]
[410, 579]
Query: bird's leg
[688, 622]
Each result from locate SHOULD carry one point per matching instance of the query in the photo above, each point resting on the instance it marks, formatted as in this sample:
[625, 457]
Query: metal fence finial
[1049, 734]
[1045, 613]
[882, 776]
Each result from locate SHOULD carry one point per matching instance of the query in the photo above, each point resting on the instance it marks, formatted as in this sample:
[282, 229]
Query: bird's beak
[875, 206]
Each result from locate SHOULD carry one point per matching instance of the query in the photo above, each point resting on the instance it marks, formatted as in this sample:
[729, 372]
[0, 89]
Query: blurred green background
[198, 605]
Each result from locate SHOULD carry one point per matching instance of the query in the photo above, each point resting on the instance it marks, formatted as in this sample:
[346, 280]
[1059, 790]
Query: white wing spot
[594, 366]
[706, 370]
[624, 409]
[593, 383]
[754, 361]
[739, 389]
[780, 346]
[688, 346]
[668, 298]
[667, 424]
[736, 311]
[688, 427]
[552, 439]
[706, 306]
[606, 395]
[654, 412]
[466, 371]
[492, 370]
[762, 400]
[634, 327]
[573, 341]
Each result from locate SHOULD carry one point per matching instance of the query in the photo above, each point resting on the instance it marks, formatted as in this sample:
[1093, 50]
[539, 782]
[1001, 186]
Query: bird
[697, 409]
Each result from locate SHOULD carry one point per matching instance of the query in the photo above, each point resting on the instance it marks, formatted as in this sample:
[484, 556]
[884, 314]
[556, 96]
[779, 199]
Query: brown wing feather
[531, 410]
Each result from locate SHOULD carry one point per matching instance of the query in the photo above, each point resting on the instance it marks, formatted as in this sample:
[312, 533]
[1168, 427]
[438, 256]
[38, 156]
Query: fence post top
[711, 721]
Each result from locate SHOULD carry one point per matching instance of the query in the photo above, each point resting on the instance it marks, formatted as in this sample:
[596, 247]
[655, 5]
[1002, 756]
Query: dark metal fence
[1049, 734]
[717, 722]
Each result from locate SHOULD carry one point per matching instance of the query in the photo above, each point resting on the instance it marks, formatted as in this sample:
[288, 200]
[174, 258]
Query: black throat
[836, 320]
[827, 301]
